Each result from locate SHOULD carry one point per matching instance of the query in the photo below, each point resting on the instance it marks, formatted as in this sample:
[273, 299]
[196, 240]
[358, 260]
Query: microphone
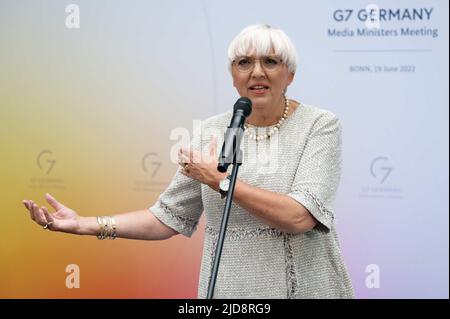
[233, 136]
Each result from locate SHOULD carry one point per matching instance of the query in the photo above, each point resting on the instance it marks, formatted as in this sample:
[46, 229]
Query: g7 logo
[374, 169]
[155, 164]
[342, 15]
[51, 162]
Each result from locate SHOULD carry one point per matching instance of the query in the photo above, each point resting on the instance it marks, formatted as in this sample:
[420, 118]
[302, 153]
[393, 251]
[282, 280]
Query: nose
[258, 70]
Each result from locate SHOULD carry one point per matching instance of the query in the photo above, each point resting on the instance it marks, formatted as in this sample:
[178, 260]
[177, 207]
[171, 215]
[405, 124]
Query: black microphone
[233, 136]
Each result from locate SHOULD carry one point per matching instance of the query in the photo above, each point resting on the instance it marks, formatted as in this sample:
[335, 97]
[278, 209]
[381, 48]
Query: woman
[280, 241]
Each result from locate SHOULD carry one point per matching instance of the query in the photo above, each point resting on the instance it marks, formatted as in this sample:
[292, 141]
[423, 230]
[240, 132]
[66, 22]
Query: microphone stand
[237, 161]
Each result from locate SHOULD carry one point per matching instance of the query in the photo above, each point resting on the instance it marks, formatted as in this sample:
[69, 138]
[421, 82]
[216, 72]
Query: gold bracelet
[107, 227]
[102, 228]
[113, 228]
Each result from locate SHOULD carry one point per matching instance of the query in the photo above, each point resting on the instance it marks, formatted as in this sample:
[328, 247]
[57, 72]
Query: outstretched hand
[63, 219]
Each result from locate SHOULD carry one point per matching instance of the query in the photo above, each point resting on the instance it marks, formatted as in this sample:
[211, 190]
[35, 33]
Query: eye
[244, 61]
[271, 61]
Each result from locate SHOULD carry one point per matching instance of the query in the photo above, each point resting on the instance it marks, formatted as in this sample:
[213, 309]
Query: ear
[290, 78]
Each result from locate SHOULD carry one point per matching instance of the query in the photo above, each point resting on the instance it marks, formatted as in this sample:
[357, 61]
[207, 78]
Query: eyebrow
[263, 56]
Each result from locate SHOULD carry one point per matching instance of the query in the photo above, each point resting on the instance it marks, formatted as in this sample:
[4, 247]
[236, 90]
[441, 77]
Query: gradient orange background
[99, 99]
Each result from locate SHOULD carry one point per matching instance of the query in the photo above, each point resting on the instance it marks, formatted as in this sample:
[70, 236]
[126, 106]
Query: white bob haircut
[262, 39]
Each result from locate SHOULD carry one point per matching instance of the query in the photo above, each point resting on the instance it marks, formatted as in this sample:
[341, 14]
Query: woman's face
[262, 79]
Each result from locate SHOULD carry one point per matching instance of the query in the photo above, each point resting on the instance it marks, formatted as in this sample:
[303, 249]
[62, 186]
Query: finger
[39, 215]
[197, 157]
[213, 147]
[48, 216]
[53, 202]
[26, 203]
[184, 159]
[187, 152]
[34, 210]
[30, 205]
[183, 150]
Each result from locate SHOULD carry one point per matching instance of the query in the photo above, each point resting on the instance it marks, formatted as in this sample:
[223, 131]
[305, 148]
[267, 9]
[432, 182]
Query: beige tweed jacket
[302, 160]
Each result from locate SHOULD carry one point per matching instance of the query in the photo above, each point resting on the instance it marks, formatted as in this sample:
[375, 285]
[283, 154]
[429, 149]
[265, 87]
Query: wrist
[216, 181]
[88, 226]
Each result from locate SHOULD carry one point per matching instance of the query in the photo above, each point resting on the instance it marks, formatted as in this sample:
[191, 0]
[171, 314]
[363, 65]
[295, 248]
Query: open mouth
[259, 88]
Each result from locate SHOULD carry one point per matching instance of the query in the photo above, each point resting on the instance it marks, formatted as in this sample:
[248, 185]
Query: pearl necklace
[273, 130]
